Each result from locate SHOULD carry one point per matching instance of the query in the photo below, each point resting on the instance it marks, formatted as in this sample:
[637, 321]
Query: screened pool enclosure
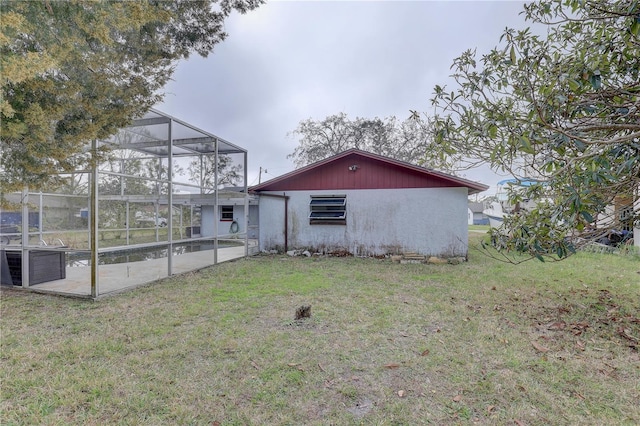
[154, 207]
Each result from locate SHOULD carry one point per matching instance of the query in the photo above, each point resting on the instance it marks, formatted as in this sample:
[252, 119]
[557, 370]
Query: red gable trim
[356, 169]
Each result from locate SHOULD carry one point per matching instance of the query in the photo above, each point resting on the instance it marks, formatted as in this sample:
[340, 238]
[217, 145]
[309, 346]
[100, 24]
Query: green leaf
[493, 131]
[512, 54]
[587, 216]
[574, 85]
[579, 145]
[525, 145]
[635, 27]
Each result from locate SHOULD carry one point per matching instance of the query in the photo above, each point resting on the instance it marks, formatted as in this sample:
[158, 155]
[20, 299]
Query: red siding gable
[355, 169]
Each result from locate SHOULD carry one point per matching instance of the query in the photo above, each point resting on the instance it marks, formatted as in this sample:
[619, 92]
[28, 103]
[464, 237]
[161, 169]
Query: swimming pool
[75, 259]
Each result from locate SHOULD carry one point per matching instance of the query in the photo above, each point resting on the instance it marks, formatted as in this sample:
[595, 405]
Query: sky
[289, 61]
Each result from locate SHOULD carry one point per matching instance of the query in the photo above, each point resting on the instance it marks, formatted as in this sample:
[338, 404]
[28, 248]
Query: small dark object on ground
[303, 312]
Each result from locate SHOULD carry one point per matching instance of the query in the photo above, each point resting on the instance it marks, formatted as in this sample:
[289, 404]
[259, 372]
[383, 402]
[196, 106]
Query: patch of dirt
[587, 314]
[361, 408]
[302, 324]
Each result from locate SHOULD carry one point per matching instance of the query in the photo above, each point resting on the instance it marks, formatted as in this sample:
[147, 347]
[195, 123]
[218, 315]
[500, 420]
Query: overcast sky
[289, 61]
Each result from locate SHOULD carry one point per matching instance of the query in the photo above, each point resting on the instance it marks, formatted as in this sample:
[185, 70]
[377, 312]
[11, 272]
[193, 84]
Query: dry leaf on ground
[539, 347]
[558, 325]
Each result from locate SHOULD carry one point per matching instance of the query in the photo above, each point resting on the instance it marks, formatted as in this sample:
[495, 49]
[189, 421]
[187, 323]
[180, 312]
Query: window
[328, 210]
[226, 212]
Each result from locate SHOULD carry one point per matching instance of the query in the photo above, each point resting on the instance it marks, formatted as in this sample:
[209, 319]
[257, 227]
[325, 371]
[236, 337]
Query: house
[365, 204]
[475, 215]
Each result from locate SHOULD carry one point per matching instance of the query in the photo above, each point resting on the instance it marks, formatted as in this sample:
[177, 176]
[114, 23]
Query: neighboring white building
[475, 215]
[366, 204]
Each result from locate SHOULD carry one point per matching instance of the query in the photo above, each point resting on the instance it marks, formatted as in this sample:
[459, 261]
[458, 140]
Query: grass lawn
[482, 342]
[479, 227]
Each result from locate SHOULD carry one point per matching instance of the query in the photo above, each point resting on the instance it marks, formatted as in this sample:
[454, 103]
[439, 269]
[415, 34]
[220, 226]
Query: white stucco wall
[430, 221]
[209, 216]
[271, 219]
[207, 220]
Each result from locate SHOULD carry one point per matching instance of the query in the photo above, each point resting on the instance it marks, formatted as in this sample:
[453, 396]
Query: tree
[203, 172]
[74, 71]
[563, 108]
[409, 140]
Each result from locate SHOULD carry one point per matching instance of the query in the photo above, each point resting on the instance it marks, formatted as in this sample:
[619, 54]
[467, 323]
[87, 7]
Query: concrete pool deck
[123, 276]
